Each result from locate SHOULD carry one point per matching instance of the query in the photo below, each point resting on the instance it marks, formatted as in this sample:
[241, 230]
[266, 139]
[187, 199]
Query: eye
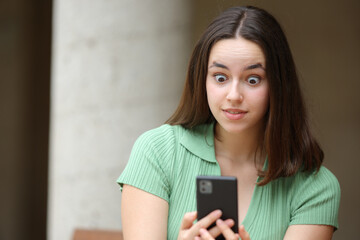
[220, 78]
[253, 80]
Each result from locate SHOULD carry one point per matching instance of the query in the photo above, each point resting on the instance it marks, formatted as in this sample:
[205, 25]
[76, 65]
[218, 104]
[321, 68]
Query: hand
[243, 234]
[189, 230]
[226, 231]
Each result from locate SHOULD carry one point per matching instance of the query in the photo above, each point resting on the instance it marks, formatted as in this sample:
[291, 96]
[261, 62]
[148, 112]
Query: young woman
[241, 114]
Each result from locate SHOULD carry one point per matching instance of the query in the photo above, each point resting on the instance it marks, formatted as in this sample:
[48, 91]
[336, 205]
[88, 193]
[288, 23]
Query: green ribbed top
[165, 162]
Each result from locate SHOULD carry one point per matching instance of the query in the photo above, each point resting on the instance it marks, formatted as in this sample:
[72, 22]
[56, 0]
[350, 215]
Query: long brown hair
[288, 142]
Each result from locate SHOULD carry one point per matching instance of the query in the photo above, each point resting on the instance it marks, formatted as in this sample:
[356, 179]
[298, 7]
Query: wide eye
[220, 78]
[253, 80]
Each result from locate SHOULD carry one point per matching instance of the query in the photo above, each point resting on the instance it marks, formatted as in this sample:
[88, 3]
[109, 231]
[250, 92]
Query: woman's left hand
[226, 232]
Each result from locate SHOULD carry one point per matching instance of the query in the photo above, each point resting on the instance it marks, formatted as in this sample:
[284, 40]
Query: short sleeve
[149, 163]
[316, 199]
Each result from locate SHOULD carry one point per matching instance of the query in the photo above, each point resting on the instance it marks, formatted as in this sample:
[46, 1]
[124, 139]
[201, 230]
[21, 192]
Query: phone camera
[205, 187]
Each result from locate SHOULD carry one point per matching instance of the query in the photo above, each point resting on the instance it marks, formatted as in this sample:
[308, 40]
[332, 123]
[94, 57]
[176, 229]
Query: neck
[241, 148]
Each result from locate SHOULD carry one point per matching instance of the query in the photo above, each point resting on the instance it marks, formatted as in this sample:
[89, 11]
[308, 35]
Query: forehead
[236, 51]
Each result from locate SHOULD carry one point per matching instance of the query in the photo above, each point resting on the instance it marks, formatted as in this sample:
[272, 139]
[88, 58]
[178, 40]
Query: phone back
[217, 192]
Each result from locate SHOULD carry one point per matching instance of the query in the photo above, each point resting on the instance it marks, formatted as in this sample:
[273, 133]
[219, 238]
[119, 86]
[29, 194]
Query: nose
[235, 92]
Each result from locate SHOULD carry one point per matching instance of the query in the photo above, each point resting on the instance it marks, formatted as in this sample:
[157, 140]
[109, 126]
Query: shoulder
[315, 189]
[323, 184]
[165, 130]
[158, 144]
[167, 135]
[323, 178]
[150, 164]
[315, 198]
[160, 136]
[305, 184]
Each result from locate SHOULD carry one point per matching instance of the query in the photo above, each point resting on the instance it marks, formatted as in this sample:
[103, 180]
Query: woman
[241, 114]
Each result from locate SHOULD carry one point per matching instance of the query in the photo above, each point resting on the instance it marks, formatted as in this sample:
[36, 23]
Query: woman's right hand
[190, 230]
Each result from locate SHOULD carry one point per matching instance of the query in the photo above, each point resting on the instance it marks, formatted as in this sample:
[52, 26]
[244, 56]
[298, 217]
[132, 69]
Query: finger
[205, 235]
[206, 221]
[188, 220]
[215, 231]
[226, 230]
[243, 233]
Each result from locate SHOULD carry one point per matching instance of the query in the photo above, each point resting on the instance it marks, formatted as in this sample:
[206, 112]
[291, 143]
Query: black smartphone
[217, 192]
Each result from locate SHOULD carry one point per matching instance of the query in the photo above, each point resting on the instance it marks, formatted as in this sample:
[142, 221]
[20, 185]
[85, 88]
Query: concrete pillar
[118, 69]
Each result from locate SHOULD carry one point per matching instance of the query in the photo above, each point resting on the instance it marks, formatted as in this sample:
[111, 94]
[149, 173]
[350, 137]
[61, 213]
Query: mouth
[234, 111]
[234, 114]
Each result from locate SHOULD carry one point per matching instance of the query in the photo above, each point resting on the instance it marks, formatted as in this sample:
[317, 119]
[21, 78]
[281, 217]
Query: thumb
[188, 220]
[244, 235]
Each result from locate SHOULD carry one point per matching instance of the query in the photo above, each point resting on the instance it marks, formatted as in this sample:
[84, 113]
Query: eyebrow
[215, 64]
[252, 66]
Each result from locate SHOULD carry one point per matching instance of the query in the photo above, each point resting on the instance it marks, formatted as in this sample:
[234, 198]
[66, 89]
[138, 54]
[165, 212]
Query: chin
[238, 128]
[233, 128]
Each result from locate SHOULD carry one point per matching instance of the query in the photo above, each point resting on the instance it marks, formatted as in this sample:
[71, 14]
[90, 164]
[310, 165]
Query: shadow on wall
[25, 39]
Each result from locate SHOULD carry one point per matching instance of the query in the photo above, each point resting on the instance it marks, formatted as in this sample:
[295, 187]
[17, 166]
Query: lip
[234, 113]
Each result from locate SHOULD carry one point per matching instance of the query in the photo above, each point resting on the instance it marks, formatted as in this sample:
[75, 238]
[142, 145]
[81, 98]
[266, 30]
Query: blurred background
[81, 80]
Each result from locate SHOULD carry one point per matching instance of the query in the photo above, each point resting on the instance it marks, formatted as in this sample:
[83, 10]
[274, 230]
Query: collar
[200, 141]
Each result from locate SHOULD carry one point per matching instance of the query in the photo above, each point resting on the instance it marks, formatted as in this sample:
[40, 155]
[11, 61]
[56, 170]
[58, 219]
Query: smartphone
[217, 192]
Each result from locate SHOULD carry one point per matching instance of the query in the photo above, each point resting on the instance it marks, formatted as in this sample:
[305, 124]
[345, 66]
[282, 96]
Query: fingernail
[230, 222]
[219, 221]
[202, 230]
[217, 213]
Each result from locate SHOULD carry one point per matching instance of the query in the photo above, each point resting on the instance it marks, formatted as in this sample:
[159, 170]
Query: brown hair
[288, 142]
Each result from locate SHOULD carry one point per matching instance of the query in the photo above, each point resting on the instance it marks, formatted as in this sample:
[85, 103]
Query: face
[236, 86]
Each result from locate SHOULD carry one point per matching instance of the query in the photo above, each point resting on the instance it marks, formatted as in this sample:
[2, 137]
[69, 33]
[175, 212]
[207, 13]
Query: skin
[238, 97]
[143, 215]
[236, 83]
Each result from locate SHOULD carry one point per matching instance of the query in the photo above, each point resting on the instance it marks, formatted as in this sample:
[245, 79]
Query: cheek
[262, 99]
[211, 92]
[213, 98]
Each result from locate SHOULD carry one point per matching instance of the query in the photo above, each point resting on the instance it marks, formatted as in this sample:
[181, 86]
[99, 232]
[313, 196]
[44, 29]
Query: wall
[117, 70]
[25, 37]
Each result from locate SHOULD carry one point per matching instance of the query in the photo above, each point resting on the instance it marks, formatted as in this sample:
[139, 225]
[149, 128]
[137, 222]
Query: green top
[165, 162]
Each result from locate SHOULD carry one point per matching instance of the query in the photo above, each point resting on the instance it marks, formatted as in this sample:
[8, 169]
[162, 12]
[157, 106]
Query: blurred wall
[325, 39]
[117, 70]
[25, 37]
